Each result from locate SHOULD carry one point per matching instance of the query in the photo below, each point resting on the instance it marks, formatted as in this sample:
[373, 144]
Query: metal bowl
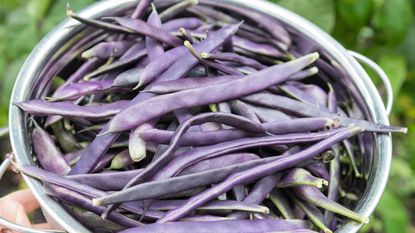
[29, 78]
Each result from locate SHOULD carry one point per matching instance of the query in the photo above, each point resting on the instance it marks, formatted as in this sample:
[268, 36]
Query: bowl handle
[382, 75]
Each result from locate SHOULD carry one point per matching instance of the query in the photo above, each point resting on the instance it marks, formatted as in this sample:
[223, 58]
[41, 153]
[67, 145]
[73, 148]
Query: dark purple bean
[106, 50]
[297, 108]
[186, 23]
[222, 161]
[253, 47]
[155, 189]
[239, 192]
[314, 196]
[262, 20]
[39, 107]
[234, 58]
[133, 55]
[166, 157]
[300, 176]
[188, 158]
[313, 90]
[163, 205]
[258, 193]
[296, 93]
[319, 169]
[300, 125]
[142, 28]
[154, 47]
[98, 23]
[257, 172]
[244, 110]
[85, 190]
[188, 83]
[66, 195]
[314, 214]
[251, 226]
[334, 184]
[281, 202]
[177, 9]
[214, 65]
[213, 41]
[49, 156]
[121, 160]
[207, 95]
[129, 77]
[141, 9]
[268, 115]
[72, 157]
[100, 180]
[177, 62]
[204, 218]
[106, 159]
[75, 90]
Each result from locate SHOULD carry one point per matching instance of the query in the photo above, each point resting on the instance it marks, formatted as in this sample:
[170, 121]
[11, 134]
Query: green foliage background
[384, 30]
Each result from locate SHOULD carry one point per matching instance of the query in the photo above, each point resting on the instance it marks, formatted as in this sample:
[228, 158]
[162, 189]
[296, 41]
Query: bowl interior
[31, 78]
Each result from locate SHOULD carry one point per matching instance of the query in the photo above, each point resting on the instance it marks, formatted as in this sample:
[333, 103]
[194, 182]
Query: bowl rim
[39, 55]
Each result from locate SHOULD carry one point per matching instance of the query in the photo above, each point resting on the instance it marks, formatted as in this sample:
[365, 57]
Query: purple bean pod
[39, 107]
[314, 214]
[108, 49]
[188, 158]
[177, 9]
[281, 202]
[314, 196]
[243, 109]
[49, 156]
[207, 95]
[154, 47]
[301, 125]
[121, 160]
[77, 199]
[300, 176]
[234, 57]
[258, 193]
[257, 172]
[295, 107]
[252, 226]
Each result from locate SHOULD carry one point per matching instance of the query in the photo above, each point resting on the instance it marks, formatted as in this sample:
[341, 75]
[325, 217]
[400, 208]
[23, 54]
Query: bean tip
[327, 230]
[204, 55]
[96, 201]
[313, 70]
[87, 54]
[69, 11]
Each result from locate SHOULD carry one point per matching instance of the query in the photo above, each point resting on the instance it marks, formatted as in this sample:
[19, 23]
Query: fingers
[42, 226]
[14, 212]
[25, 197]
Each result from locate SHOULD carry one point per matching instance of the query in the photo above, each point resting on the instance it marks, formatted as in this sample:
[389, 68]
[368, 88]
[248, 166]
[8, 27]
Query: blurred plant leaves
[320, 12]
[355, 13]
[393, 213]
[394, 66]
[392, 20]
[38, 9]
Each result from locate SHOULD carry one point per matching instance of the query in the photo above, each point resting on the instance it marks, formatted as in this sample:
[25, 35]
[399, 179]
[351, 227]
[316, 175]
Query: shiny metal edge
[381, 165]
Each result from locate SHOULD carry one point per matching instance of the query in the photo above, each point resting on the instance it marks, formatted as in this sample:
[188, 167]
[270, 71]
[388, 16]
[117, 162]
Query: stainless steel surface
[382, 75]
[29, 75]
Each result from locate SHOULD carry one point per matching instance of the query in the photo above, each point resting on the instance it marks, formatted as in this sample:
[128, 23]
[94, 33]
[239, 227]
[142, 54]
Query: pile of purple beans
[199, 117]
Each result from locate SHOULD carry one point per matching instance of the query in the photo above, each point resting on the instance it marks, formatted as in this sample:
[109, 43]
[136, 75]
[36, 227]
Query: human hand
[15, 207]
